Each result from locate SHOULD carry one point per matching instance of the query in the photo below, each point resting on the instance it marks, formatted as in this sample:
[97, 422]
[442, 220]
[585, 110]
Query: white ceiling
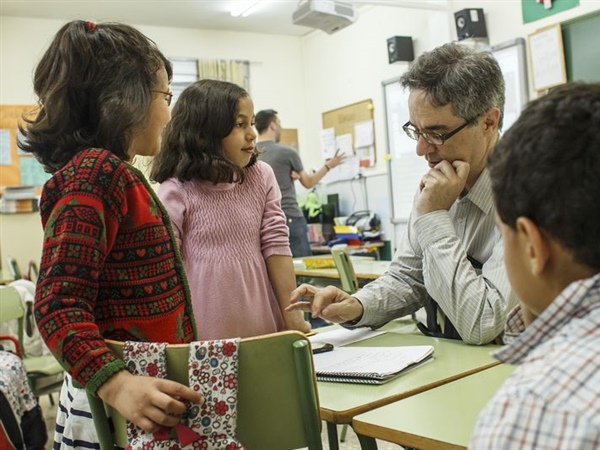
[271, 16]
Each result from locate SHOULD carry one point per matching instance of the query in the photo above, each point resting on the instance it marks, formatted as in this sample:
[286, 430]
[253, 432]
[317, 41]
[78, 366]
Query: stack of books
[17, 199]
[350, 234]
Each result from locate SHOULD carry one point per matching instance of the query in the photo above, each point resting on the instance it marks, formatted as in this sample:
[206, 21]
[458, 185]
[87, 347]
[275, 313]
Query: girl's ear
[535, 244]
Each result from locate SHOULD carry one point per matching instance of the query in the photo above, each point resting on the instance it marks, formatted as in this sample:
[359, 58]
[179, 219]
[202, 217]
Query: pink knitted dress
[225, 233]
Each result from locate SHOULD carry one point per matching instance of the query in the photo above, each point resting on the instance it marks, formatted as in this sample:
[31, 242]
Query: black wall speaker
[400, 48]
[470, 23]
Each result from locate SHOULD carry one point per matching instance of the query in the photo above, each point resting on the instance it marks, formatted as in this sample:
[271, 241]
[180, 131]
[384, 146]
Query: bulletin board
[289, 138]
[344, 121]
[17, 168]
[547, 55]
[535, 10]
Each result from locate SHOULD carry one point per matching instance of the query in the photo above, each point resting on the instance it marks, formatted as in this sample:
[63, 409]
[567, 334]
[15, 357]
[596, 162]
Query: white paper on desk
[343, 336]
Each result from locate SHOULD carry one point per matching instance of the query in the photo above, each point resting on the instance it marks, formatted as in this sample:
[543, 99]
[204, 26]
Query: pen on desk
[321, 347]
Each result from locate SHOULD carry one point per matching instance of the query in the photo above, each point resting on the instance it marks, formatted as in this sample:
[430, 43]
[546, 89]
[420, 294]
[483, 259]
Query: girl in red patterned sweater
[110, 267]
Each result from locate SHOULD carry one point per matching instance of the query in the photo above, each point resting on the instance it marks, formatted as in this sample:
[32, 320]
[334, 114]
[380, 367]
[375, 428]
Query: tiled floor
[351, 442]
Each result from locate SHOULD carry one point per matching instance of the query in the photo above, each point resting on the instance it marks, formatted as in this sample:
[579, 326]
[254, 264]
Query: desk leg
[366, 442]
[332, 436]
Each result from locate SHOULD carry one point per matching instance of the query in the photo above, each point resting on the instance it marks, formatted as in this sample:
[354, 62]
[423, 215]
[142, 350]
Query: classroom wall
[275, 66]
[275, 61]
[301, 77]
[350, 65]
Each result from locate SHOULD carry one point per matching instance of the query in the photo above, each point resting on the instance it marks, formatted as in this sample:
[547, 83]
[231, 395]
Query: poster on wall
[538, 9]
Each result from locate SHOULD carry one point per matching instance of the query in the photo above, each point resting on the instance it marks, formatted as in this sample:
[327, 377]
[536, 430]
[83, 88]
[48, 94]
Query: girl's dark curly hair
[94, 86]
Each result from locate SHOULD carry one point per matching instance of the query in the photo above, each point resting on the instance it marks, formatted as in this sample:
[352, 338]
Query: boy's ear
[536, 245]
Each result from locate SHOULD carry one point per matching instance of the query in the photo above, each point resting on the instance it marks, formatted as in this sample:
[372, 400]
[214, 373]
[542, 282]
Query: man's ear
[535, 244]
[491, 119]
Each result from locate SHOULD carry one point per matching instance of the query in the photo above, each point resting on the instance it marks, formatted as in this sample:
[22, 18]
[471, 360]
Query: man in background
[449, 259]
[287, 165]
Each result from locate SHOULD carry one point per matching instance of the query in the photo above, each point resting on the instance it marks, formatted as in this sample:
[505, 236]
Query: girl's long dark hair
[192, 146]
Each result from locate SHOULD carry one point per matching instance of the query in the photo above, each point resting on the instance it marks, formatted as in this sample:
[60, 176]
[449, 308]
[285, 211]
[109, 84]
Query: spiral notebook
[369, 365]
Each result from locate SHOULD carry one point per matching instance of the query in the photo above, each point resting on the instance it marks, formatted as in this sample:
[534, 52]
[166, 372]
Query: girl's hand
[150, 403]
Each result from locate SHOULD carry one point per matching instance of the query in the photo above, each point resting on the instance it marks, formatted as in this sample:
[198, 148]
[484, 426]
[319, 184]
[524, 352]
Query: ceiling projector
[327, 15]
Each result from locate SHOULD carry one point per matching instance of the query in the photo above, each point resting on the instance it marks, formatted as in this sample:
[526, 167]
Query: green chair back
[346, 270]
[277, 395]
[44, 373]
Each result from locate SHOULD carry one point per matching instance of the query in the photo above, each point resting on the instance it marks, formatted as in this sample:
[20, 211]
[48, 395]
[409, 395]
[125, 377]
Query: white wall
[299, 77]
[276, 65]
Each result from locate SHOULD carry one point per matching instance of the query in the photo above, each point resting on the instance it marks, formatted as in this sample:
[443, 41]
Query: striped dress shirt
[552, 399]
[432, 259]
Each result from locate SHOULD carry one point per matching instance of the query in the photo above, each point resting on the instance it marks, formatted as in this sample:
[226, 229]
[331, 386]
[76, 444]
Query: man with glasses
[449, 260]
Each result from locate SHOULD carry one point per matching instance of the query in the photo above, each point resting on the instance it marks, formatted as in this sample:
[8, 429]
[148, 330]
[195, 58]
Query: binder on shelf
[17, 199]
[369, 365]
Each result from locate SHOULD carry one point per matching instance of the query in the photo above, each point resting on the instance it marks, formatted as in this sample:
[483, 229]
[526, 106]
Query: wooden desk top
[364, 268]
[452, 360]
[442, 418]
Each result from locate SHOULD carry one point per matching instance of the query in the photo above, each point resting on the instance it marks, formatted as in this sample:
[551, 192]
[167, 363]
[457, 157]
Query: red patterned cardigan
[110, 267]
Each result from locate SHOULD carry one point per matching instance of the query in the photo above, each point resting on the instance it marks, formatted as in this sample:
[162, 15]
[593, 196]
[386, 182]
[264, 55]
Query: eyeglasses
[433, 138]
[168, 94]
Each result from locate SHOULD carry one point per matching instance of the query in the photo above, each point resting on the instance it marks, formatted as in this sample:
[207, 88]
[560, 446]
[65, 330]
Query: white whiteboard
[513, 63]
[405, 168]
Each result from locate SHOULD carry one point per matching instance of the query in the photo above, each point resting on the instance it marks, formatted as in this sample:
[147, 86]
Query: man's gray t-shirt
[283, 160]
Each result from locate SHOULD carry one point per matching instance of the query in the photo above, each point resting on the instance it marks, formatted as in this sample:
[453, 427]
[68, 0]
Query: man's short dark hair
[263, 119]
[547, 167]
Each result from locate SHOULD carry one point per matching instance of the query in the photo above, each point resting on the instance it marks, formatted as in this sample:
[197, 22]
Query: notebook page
[343, 336]
[369, 361]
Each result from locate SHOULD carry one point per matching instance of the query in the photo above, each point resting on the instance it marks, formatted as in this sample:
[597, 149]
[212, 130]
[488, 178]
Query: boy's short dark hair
[547, 167]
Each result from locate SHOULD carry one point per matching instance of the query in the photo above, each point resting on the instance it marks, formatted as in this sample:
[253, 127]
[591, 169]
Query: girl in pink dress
[225, 209]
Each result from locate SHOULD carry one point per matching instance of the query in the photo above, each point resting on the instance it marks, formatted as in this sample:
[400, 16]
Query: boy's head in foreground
[546, 181]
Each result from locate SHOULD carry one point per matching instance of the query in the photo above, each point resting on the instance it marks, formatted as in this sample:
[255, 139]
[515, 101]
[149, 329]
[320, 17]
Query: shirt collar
[481, 193]
[572, 302]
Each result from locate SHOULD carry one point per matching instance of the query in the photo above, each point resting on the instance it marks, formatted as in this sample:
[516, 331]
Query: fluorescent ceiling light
[243, 8]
